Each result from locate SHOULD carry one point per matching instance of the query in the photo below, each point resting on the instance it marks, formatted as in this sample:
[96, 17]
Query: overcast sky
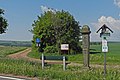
[21, 14]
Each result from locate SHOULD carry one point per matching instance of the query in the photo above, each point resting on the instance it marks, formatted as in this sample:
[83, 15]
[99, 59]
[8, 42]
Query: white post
[42, 61]
[64, 63]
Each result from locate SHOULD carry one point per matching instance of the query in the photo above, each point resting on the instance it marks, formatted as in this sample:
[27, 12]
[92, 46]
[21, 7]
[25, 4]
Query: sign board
[64, 46]
[104, 42]
[104, 48]
[104, 45]
[38, 40]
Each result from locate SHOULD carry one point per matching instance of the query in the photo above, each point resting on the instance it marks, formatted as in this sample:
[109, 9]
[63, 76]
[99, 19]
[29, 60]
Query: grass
[55, 72]
[97, 57]
[6, 50]
[17, 67]
[113, 56]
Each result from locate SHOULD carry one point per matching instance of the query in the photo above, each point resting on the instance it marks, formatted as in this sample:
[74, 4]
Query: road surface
[10, 78]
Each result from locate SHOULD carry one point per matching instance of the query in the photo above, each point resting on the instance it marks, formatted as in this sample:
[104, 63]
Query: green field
[113, 56]
[15, 43]
[6, 50]
[96, 56]
[55, 72]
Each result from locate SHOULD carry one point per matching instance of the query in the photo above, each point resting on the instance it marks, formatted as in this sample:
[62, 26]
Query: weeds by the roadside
[33, 69]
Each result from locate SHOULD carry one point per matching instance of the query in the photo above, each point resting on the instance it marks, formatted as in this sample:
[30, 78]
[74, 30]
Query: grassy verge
[55, 72]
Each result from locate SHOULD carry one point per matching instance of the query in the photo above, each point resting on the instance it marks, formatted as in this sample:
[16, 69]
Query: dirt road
[23, 55]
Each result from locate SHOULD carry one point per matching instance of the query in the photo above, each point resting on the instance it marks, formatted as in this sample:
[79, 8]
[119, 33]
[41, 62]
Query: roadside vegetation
[73, 72]
[51, 72]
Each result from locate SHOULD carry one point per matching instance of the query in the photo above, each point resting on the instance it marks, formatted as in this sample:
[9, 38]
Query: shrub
[50, 49]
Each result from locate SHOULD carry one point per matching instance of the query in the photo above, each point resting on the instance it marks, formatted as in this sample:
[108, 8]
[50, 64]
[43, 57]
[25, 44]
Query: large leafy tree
[3, 22]
[55, 28]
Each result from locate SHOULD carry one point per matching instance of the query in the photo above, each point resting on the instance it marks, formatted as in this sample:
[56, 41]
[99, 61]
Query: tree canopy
[3, 22]
[56, 28]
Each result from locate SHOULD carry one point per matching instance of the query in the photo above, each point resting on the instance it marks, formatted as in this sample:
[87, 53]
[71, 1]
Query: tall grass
[55, 72]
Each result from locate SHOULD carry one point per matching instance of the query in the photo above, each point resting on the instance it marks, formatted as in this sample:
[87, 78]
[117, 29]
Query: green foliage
[50, 49]
[3, 22]
[57, 28]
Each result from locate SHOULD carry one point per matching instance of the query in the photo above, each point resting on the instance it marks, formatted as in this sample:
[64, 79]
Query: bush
[76, 48]
[50, 49]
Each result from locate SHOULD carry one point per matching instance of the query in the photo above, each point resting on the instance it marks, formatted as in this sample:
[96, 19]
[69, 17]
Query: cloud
[112, 23]
[117, 2]
[45, 9]
[109, 21]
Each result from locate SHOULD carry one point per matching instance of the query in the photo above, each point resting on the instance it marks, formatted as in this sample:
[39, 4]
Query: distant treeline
[99, 43]
[29, 43]
[95, 43]
[15, 43]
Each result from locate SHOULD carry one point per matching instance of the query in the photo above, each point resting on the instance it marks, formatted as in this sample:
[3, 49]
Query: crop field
[113, 55]
[6, 50]
[73, 72]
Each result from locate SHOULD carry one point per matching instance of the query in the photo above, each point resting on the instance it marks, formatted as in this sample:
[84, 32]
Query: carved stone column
[86, 45]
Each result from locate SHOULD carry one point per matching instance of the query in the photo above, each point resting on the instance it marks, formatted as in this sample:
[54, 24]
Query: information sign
[104, 48]
[37, 40]
[104, 45]
[64, 46]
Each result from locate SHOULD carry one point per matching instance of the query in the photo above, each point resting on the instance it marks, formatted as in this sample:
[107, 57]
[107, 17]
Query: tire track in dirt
[23, 55]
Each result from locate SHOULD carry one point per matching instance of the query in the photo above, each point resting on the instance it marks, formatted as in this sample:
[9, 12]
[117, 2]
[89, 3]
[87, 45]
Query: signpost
[105, 50]
[104, 34]
[38, 41]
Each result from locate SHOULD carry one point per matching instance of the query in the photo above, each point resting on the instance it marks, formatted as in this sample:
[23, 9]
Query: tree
[57, 28]
[3, 22]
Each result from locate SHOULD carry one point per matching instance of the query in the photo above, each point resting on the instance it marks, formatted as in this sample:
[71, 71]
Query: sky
[94, 13]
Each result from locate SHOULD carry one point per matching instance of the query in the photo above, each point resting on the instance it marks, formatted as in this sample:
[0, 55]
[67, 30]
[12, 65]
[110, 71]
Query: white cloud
[109, 21]
[45, 9]
[117, 2]
[112, 23]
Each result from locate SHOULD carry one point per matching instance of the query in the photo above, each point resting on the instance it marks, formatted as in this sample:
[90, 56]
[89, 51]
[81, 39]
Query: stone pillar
[86, 45]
